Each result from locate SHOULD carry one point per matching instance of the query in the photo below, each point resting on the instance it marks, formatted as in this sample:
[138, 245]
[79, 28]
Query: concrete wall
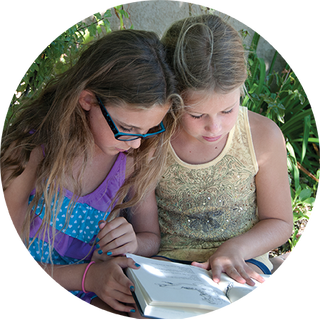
[157, 16]
[277, 32]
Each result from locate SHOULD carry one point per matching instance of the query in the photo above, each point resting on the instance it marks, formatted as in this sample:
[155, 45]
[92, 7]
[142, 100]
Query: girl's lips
[122, 150]
[212, 139]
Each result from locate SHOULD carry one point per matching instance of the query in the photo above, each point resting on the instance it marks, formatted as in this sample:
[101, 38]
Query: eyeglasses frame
[118, 134]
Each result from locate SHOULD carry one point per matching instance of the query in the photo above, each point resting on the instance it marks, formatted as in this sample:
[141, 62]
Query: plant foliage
[62, 53]
[280, 97]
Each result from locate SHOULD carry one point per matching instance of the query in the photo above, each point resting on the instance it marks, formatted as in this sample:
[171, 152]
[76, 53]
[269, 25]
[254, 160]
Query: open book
[169, 290]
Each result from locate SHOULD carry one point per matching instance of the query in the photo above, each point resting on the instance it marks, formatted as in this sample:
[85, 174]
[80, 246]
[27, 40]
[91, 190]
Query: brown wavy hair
[123, 67]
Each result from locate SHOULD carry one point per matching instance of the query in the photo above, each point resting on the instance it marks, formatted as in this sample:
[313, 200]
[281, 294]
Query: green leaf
[298, 190]
[124, 13]
[262, 74]
[309, 201]
[97, 16]
[250, 62]
[92, 29]
[117, 4]
[295, 170]
[289, 164]
[304, 194]
[107, 14]
[278, 79]
[107, 24]
[253, 88]
[270, 78]
[306, 132]
[245, 100]
[302, 98]
[295, 121]
[280, 118]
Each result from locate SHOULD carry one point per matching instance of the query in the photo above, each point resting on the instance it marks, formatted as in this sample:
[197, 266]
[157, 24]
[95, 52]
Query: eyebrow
[195, 111]
[127, 125]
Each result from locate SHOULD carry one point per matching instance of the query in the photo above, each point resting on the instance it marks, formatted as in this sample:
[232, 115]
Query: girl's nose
[135, 144]
[213, 126]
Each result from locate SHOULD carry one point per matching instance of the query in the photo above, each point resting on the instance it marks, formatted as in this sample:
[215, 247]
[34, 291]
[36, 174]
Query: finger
[106, 227]
[119, 281]
[104, 238]
[259, 278]
[121, 251]
[126, 243]
[100, 256]
[102, 224]
[113, 231]
[254, 271]
[256, 276]
[233, 273]
[96, 256]
[203, 265]
[246, 277]
[216, 273]
[116, 305]
[123, 297]
[125, 262]
[115, 223]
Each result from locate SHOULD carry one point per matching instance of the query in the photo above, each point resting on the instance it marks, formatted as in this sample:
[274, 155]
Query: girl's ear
[87, 100]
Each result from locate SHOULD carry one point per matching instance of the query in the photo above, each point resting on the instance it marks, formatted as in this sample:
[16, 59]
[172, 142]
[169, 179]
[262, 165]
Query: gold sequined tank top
[201, 206]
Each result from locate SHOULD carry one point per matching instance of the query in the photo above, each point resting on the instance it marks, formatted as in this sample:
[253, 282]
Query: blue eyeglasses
[128, 136]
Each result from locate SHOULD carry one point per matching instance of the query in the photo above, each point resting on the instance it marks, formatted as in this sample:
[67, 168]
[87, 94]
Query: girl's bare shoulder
[19, 188]
[266, 135]
[262, 128]
[35, 158]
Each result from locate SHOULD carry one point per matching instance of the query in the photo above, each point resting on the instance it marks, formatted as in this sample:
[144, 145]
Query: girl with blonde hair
[224, 198]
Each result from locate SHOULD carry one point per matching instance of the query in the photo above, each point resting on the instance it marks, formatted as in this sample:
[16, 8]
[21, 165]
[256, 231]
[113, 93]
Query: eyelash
[224, 112]
[125, 129]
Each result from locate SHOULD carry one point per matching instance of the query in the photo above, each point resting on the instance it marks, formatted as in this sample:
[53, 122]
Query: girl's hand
[234, 266]
[115, 238]
[108, 281]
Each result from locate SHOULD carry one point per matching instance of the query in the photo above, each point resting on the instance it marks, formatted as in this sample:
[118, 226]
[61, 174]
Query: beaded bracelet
[84, 276]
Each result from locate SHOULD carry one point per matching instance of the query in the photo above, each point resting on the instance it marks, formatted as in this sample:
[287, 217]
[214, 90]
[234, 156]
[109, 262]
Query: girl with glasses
[70, 157]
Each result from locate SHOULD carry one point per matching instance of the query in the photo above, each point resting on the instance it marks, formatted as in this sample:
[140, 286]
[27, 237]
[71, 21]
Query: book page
[249, 302]
[172, 284]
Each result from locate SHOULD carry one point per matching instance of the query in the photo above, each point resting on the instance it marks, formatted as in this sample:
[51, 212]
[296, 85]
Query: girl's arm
[144, 219]
[105, 279]
[274, 207]
[138, 233]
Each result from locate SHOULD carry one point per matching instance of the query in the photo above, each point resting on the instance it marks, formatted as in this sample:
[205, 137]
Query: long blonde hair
[124, 67]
